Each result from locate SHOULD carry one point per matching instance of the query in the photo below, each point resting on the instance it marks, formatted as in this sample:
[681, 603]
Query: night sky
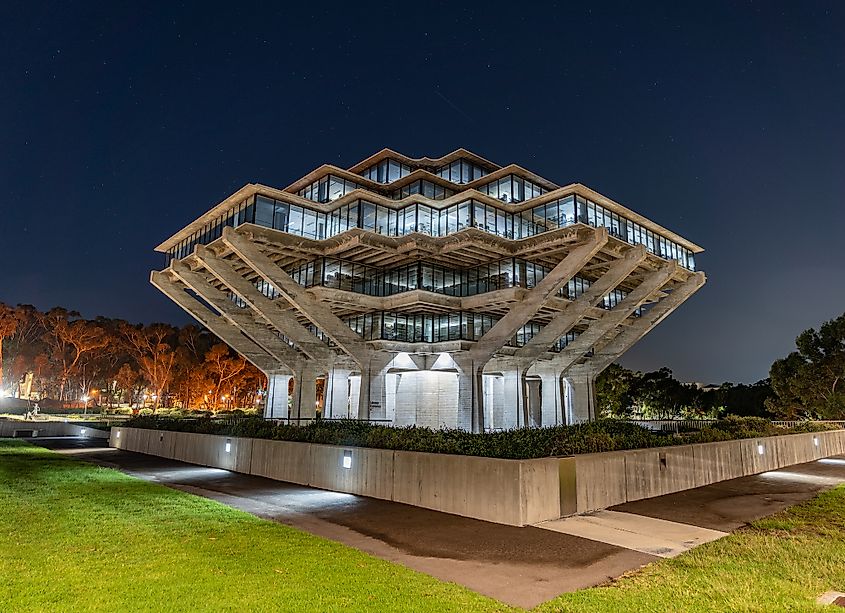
[724, 122]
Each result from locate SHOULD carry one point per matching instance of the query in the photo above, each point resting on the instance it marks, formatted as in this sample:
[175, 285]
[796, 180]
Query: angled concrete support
[470, 385]
[575, 350]
[619, 344]
[519, 315]
[310, 307]
[241, 318]
[575, 311]
[218, 325]
[273, 312]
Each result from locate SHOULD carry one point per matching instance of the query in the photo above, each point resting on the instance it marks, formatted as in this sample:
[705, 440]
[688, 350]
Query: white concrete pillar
[276, 402]
[494, 401]
[470, 398]
[580, 398]
[304, 401]
[373, 401]
[515, 412]
[551, 403]
[337, 393]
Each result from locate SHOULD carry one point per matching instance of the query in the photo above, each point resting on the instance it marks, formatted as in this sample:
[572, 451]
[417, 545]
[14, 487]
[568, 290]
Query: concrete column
[304, 401]
[372, 403]
[337, 393]
[276, 402]
[515, 413]
[494, 401]
[551, 402]
[580, 398]
[470, 394]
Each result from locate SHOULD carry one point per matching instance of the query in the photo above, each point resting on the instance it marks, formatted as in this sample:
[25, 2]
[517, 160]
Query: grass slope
[79, 537]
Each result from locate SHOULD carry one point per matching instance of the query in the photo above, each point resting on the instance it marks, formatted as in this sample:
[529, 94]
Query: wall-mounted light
[347, 459]
[82, 432]
[760, 449]
[118, 434]
[816, 441]
[228, 446]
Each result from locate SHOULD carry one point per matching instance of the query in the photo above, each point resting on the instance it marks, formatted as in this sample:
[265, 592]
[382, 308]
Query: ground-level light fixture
[347, 459]
[760, 449]
[82, 431]
[228, 446]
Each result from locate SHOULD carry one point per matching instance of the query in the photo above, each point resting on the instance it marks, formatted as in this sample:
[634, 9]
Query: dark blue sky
[722, 121]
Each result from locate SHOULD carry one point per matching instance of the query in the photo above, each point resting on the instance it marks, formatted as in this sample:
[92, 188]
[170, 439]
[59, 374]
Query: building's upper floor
[395, 195]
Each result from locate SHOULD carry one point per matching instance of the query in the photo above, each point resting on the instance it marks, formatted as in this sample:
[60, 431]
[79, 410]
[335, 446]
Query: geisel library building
[448, 292]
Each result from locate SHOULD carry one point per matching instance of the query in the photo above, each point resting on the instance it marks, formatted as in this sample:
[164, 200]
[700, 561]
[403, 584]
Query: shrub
[523, 443]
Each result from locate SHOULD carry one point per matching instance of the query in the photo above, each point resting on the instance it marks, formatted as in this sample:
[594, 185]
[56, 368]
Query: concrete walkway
[519, 566]
[657, 537]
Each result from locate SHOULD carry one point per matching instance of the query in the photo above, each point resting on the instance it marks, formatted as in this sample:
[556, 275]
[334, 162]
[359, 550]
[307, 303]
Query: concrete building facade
[447, 292]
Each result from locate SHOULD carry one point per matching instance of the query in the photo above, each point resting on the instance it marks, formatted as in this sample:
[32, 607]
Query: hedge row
[603, 435]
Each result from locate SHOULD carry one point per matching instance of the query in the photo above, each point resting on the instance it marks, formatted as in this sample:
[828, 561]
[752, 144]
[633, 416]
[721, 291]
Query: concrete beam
[259, 333]
[284, 321]
[623, 341]
[315, 311]
[218, 325]
[585, 341]
[576, 310]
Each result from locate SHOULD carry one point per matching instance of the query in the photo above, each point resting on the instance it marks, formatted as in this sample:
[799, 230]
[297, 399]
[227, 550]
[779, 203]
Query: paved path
[519, 566]
[658, 537]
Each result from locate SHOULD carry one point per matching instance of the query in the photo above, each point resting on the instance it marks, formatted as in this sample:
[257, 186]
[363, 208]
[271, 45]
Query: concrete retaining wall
[21, 428]
[607, 479]
[513, 492]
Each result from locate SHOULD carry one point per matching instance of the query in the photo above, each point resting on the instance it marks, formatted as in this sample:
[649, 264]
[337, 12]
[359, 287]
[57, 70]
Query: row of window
[430, 190]
[559, 213]
[461, 171]
[512, 189]
[330, 187]
[438, 328]
[375, 281]
[386, 171]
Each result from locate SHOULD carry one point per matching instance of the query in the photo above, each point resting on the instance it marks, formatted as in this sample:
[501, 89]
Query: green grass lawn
[79, 537]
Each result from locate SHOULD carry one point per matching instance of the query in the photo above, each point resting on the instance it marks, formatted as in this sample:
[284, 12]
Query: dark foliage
[603, 435]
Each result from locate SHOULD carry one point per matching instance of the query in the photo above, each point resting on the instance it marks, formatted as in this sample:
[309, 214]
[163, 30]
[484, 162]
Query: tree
[614, 391]
[222, 370]
[152, 348]
[811, 381]
[69, 339]
[8, 325]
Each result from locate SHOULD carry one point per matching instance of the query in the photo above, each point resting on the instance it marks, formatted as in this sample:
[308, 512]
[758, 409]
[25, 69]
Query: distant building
[439, 292]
